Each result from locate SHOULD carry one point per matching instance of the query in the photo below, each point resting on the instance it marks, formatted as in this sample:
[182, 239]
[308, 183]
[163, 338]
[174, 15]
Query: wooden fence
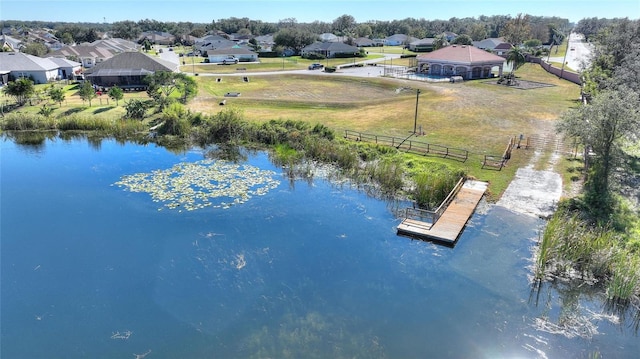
[408, 145]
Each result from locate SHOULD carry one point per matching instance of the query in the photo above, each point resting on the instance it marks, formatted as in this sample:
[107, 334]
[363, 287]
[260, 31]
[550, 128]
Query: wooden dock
[448, 227]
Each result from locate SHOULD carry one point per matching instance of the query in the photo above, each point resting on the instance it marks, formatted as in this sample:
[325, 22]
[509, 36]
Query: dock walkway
[450, 225]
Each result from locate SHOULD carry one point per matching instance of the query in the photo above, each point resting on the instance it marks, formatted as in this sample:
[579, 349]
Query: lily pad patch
[195, 185]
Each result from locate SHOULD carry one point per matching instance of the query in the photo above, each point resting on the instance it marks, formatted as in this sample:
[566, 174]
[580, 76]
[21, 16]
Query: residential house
[87, 55]
[328, 37]
[157, 37]
[422, 45]
[265, 42]
[242, 53]
[503, 49]
[367, 42]
[8, 43]
[127, 70]
[449, 36]
[488, 44]
[46, 38]
[329, 49]
[495, 45]
[398, 40]
[19, 65]
[116, 45]
[66, 68]
[212, 42]
[469, 62]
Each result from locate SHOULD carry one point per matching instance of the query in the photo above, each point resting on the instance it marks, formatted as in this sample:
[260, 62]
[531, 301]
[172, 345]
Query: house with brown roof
[469, 62]
[503, 49]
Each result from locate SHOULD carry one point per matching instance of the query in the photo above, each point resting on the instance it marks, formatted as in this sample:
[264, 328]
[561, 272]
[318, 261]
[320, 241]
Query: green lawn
[475, 115]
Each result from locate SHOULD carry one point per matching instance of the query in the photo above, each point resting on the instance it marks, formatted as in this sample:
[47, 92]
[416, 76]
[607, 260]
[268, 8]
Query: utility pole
[415, 119]
[565, 56]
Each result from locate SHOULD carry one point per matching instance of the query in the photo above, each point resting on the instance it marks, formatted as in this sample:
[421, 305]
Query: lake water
[308, 270]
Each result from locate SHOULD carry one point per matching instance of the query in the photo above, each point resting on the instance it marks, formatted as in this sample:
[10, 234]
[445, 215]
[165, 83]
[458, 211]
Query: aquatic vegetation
[196, 185]
[573, 248]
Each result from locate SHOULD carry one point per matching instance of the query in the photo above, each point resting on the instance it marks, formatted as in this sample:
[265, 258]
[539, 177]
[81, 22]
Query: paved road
[578, 54]
[365, 71]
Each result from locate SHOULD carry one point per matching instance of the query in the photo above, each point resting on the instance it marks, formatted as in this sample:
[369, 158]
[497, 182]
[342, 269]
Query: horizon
[272, 11]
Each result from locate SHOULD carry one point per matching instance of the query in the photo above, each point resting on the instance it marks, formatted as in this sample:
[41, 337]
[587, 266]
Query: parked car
[315, 66]
[230, 60]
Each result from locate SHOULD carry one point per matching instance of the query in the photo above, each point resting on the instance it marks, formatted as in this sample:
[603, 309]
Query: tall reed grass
[571, 246]
[17, 121]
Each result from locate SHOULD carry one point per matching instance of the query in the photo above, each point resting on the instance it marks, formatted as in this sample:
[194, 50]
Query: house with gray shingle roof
[19, 65]
[398, 39]
[366, 42]
[212, 42]
[127, 70]
[116, 45]
[66, 68]
[157, 37]
[496, 45]
[329, 49]
[87, 55]
[8, 43]
[422, 45]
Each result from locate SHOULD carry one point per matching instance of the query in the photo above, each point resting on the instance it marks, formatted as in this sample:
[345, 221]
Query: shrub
[136, 109]
[175, 121]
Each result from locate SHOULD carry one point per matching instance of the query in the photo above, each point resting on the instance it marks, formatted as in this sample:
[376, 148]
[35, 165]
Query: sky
[206, 11]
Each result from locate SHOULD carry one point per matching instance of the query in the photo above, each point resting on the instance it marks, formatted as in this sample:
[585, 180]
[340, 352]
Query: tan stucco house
[469, 62]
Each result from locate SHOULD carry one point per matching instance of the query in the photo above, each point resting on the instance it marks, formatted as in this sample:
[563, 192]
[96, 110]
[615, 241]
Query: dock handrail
[450, 197]
[434, 215]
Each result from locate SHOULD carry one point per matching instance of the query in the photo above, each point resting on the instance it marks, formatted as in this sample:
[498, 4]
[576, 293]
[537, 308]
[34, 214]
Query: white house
[398, 39]
[23, 65]
[241, 53]
[66, 68]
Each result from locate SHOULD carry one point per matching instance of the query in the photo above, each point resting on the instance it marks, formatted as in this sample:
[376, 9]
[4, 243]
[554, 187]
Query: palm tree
[516, 57]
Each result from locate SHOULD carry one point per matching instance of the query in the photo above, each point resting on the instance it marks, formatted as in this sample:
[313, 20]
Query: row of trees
[522, 27]
[610, 120]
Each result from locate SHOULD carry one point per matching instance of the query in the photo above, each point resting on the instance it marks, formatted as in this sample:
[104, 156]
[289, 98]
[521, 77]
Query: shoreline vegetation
[298, 127]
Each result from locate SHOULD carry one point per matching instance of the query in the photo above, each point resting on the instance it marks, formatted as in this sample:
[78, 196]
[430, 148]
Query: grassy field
[477, 116]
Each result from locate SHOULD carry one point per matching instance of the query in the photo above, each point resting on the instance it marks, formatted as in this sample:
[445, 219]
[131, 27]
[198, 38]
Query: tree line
[534, 27]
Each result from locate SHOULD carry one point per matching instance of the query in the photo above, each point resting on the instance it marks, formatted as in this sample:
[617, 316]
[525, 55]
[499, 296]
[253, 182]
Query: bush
[314, 56]
[176, 121]
[136, 109]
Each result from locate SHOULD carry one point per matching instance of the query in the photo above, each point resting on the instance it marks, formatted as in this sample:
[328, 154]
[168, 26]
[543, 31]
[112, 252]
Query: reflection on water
[312, 270]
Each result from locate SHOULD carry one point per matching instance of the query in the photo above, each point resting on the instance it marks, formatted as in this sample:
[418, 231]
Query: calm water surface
[307, 270]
